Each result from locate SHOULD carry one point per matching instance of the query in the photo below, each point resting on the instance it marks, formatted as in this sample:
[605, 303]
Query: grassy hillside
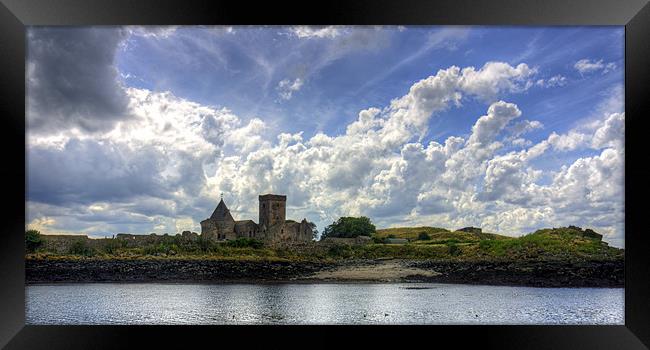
[436, 234]
[556, 243]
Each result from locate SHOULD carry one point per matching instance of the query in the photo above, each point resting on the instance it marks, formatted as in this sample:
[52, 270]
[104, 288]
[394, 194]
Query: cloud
[554, 81]
[248, 138]
[286, 88]
[524, 127]
[155, 32]
[587, 65]
[438, 92]
[163, 169]
[448, 37]
[161, 155]
[86, 171]
[609, 134]
[567, 142]
[72, 81]
[521, 142]
[488, 126]
[494, 78]
[587, 185]
[306, 32]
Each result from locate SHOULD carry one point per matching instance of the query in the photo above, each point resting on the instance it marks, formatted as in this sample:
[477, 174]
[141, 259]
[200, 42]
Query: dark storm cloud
[88, 171]
[71, 78]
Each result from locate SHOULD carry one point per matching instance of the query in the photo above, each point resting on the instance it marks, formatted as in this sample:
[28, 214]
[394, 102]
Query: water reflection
[319, 304]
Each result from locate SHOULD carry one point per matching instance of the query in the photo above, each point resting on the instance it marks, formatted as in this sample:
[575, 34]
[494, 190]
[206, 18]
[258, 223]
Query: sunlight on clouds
[174, 157]
[42, 224]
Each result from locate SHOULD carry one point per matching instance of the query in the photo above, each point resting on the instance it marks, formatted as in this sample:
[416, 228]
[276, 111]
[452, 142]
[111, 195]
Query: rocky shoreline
[554, 274]
[82, 271]
[530, 273]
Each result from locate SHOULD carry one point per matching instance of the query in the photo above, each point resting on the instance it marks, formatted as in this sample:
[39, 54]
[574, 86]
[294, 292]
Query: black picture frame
[633, 14]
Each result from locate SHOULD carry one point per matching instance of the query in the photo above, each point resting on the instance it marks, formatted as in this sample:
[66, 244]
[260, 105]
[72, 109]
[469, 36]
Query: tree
[349, 227]
[33, 240]
[314, 231]
[423, 236]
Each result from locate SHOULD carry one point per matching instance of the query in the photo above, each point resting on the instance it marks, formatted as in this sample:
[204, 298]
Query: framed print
[373, 170]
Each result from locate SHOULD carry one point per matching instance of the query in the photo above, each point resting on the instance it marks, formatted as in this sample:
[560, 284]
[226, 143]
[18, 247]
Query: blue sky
[226, 94]
[241, 70]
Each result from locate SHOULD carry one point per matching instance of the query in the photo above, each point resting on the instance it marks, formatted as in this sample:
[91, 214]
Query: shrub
[80, 247]
[245, 243]
[161, 248]
[33, 240]
[151, 250]
[423, 236]
[454, 250]
[112, 245]
[339, 250]
[204, 244]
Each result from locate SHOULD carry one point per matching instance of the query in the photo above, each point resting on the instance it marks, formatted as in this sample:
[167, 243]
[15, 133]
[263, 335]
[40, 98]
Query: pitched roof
[221, 213]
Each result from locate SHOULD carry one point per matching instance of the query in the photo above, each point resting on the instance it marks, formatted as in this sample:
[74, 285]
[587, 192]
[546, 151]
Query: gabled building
[273, 225]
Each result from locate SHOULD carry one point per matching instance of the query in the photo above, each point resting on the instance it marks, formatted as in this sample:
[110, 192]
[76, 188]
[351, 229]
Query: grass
[436, 235]
[559, 243]
[410, 233]
[546, 244]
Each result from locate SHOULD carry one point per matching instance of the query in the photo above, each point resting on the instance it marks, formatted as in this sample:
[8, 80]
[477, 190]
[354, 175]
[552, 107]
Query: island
[277, 250]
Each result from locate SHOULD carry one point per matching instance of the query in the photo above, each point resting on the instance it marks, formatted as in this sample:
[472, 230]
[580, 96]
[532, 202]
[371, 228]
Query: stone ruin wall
[61, 244]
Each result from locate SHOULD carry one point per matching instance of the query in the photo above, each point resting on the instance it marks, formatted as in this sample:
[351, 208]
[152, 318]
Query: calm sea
[412, 303]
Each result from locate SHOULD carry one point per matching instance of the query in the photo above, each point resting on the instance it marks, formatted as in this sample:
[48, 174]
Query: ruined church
[272, 226]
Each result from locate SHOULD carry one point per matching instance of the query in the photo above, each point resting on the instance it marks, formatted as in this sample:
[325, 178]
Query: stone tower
[273, 210]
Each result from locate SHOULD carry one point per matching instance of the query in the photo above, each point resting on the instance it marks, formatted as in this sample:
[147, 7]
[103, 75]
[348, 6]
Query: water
[412, 303]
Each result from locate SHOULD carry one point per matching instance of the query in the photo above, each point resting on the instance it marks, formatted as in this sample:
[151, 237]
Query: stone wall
[61, 244]
[247, 229]
[290, 231]
[136, 241]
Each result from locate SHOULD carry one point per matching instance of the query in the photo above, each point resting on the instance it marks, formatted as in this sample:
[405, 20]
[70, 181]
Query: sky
[142, 129]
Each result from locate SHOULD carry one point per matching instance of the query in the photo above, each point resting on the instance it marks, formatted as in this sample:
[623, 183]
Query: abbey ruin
[272, 226]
